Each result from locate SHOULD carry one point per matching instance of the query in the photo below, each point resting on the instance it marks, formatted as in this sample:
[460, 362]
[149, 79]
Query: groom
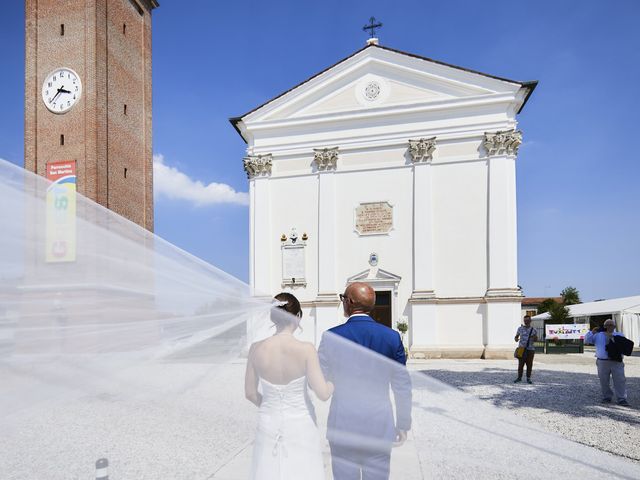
[361, 429]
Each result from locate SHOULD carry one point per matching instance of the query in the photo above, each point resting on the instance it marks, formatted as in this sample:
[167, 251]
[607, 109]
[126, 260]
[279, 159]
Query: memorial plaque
[293, 264]
[374, 218]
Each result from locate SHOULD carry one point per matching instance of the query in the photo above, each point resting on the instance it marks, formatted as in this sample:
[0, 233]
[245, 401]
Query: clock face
[61, 90]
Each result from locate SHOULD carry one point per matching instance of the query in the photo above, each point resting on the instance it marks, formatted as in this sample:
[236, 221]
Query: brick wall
[108, 44]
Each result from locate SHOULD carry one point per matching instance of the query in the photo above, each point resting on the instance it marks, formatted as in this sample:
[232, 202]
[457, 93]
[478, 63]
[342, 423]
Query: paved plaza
[470, 422]
[564, 398]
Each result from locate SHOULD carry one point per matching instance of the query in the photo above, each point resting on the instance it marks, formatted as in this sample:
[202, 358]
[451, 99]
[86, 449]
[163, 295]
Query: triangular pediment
[380, 78]
[374, 274]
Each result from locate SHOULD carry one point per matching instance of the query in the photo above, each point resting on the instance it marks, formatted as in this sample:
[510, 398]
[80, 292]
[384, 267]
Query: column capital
[421, 150]
[257, 165]
[326, 158]
[505, 142]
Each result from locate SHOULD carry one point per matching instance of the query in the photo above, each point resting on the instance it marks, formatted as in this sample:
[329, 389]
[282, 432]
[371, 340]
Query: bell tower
[88, 98]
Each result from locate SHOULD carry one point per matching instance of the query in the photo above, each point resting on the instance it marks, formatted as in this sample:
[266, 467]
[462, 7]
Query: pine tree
[570, 296]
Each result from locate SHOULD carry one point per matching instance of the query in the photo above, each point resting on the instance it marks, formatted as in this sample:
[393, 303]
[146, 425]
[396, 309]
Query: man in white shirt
[606, 366]
[525, 336]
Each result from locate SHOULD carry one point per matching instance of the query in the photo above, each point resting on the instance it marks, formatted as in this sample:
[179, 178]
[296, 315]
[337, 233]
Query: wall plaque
[293, 264]
[293, 259]
[374, 218]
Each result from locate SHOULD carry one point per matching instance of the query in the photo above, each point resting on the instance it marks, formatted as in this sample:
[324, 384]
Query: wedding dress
[287, 444]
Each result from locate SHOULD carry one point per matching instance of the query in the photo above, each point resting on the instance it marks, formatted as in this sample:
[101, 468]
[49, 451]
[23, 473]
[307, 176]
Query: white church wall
[456, 150]
[294, 204]
[353, 188]
[293, 165]
[460, 325]
[454, 330]
[460, 228]
[374, 157]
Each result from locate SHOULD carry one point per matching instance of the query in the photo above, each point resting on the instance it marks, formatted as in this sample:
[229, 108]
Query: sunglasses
[344, 297]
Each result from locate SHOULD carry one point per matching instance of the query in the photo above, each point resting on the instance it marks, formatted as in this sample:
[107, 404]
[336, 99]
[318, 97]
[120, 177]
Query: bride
[287, 444]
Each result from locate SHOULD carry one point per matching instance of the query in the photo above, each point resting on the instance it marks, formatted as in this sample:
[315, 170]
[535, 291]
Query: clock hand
[56, 95]
[62, 90]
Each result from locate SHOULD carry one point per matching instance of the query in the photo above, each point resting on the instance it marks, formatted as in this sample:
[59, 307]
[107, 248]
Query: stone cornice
[327, 300]
[325, 158]
[257, 165]
[503, 295]
[392, 140]
[421, 150]
[505, 142]
[465, 105]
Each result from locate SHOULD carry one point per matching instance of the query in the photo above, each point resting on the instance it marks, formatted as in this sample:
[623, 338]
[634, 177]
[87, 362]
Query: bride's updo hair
[292, 307]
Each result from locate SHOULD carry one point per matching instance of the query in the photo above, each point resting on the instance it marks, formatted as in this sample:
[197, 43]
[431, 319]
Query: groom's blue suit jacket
[361, 404]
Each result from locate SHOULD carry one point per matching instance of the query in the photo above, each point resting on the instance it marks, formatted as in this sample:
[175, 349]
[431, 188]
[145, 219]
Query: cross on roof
[372, 26]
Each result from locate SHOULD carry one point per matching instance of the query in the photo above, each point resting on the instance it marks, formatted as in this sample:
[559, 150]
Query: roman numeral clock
[61, 90]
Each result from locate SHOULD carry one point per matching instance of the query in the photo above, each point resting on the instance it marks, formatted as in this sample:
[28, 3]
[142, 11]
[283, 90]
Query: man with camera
[525, 336]
[609, 362]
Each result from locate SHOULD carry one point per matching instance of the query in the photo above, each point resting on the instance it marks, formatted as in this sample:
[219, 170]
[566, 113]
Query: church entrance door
[382, 311]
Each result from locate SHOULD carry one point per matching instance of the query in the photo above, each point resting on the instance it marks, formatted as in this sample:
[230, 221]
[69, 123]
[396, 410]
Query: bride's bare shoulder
[255, 346]
[308, 347]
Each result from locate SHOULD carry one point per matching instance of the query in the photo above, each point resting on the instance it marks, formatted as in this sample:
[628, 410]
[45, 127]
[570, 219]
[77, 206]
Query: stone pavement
[191, 422]
[404, 462]
[450, 441]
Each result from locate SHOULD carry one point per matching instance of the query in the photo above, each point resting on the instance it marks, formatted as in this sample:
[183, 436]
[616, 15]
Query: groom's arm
[401, 387]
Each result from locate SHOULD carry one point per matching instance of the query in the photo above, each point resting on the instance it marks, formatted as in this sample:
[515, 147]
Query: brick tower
[88, 98]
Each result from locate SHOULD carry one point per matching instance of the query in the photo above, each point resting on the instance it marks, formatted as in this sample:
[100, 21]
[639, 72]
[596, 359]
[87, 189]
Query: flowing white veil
[126, 348]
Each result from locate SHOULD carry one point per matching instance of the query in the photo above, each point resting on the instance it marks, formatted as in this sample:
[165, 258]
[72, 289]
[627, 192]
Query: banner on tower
[61, 212]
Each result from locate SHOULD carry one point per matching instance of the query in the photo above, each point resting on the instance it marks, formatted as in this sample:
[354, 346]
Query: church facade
[399, 171]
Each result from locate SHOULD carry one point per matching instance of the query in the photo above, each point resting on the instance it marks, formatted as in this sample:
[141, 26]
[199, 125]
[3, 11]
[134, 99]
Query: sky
[578, 169]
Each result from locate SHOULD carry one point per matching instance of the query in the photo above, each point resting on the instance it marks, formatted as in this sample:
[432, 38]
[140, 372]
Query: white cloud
[172, 183]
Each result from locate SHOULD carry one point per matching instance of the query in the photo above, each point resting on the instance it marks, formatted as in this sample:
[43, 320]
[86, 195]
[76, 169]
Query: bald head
[359, 298]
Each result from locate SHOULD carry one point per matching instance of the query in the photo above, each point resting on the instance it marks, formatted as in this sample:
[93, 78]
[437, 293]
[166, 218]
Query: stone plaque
[374, 218]
[293, 265]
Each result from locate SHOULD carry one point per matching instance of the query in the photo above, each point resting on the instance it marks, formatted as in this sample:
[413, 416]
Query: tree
[570, 296]
[558, 313]
[546, 305]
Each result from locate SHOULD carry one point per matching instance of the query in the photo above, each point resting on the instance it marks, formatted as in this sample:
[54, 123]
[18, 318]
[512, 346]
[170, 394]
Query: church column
[258, 168]
[327, 314]
[503, 295]
[424, 328]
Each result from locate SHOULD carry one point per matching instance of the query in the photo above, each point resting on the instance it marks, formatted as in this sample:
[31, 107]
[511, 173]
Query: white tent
[625, 311]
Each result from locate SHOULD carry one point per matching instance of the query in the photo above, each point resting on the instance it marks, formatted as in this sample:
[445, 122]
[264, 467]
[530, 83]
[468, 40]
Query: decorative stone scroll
[421, 150]
[258, 165]
[502, 143]
[374, 218]
[326, 158]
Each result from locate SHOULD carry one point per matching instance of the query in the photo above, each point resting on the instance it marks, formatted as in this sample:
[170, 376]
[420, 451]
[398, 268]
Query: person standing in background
[525, 336]
[608, 367]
